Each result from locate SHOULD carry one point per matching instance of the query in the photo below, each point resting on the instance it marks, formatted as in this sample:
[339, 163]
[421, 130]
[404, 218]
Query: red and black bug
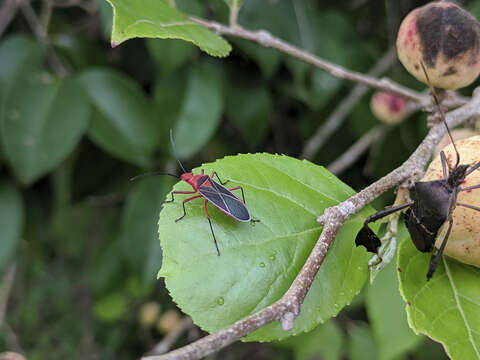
[205, 186]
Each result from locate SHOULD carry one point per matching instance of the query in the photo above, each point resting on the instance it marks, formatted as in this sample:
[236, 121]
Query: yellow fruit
[464, 241]
[457, 134]
[169, 321]
[446, 39]
[149, 313]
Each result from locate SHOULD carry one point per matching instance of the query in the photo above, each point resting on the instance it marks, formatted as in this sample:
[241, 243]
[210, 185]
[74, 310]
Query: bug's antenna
[153, 173]
[175, 151]
[437, 103]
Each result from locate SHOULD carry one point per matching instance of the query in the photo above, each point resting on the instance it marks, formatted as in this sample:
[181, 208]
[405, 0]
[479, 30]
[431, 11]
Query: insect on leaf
[258, 262]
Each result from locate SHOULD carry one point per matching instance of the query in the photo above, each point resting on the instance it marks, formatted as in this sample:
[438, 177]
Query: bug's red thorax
[194, 180]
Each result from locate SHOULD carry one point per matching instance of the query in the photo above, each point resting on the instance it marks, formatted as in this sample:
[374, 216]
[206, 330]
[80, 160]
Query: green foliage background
[83, 239]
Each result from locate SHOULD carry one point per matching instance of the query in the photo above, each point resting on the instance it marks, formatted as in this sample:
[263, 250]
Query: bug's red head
[186, 177]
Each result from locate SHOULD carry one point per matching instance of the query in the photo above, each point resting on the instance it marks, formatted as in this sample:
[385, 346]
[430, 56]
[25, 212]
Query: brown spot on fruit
[450, 71]
[448, 40]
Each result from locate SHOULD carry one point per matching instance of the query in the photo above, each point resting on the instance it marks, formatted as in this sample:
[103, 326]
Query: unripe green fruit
[464, 241]
[446, 39]
[389, 108]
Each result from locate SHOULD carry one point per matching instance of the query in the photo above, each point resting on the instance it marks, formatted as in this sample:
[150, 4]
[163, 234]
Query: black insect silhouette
[432, 208]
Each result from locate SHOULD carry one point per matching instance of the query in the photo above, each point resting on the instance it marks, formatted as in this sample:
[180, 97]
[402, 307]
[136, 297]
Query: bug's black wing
[225, 200]
[366, 237]
[429, 212]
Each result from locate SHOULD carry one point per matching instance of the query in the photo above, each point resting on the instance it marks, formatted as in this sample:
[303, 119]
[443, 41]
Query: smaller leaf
[18, 55]
[123, 122]
[169, 54]
[42, 121]
[111, 307]
[11, 220]
[156, 19]
[325, 342]
[446, 308]
[140, 220]
[385, 313]
[201, 110]
[250, 109]
[360, 344]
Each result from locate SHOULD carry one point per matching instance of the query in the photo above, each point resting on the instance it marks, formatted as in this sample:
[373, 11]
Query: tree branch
[288, 307]
[264, 38]
[343, 109]
[356, 150]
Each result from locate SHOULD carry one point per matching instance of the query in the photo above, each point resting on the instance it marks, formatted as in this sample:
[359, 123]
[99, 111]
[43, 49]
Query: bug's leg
[444, 164]
[382, 213]
[183, 204]
[214, 173]
[470, 188]
[179, 192]
[438, 256]
[211, 227]
[366, 237]
[473, 168]
[241, 189]
[469, 206]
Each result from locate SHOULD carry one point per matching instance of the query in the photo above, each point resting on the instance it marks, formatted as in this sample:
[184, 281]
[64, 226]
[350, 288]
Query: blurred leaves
[159, 20]
[123, 122]
[250, 108]
[41, 118]
[201, 109]
[42, 122]
[385, 309]
[446, 308]
[258, 263]
[140, 240]
[11, 220]
[325, 342]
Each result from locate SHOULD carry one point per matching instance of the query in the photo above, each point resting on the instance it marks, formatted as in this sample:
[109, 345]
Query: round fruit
[149, 313]
[457, 134]
[446, 39]
[389, 108]
[169, 321]
[464, 241]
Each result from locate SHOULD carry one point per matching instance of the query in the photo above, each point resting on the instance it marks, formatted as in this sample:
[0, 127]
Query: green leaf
[361, 345]
[19, 55]
[123, 122]
[446, 308]
[324, 342]
[111, 307]
[140, 219]
[259, 262]
[11, 220]
[169, 55]
[42, 121]
[385, 313]
[156, 19]
[168, 98]
[250, 109]
[201, 110]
